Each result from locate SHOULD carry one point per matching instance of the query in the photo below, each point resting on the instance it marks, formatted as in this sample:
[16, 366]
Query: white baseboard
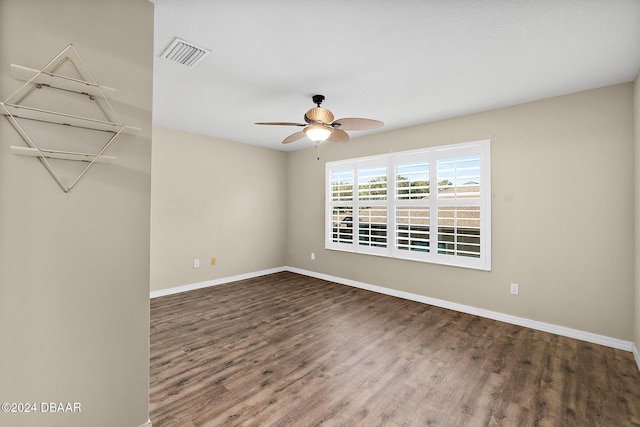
[215, 282]
[507, 318]
[147, 424]
[520, 321]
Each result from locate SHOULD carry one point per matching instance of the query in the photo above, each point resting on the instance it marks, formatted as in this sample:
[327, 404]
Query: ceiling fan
[320, 125]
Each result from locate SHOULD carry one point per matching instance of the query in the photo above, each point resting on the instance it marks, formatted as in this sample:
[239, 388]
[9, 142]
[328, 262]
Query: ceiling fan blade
[294, 137]
[357, 124]
[318, 114]
[280, 124]
[338, 135]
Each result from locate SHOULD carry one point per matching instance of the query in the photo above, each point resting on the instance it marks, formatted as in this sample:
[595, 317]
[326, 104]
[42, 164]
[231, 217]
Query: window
[430, 205]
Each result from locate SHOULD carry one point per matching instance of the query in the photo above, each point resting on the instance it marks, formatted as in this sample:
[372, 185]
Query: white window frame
[431, 155]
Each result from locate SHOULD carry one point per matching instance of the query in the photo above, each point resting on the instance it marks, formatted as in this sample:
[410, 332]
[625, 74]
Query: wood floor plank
[291, 350]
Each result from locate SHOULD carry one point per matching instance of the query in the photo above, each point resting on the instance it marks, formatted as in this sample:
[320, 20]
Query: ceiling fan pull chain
[318, 151]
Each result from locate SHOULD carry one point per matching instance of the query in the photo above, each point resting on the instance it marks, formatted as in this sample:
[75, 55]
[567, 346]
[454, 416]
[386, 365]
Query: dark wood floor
[290, 350]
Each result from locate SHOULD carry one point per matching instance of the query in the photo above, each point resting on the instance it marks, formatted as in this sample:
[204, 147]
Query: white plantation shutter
[412, 206]
[459, 231]
[412, 180]
[459, 212]
[372, 206]
[341, 203]
[372, 183]
[412, 225]
[430, 205]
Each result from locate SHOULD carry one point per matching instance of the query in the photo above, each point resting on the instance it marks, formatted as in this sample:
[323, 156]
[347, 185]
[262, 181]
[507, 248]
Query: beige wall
[214, 198]
[74, 267]
[562, 212]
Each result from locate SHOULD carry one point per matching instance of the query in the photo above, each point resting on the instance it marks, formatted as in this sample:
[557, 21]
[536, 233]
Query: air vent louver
[185, 53]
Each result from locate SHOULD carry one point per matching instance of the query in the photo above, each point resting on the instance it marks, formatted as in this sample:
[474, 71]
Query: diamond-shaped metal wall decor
[65, 76]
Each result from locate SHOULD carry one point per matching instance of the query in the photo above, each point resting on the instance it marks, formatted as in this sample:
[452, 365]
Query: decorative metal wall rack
[66, 75]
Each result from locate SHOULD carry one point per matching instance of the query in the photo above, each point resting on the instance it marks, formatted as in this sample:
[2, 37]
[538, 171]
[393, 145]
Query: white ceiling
[404, 62]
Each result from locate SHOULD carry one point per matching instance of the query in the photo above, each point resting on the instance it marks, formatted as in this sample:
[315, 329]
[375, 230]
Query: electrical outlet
[213, 260]
[313, 256]
[196, 263]
[514, 289]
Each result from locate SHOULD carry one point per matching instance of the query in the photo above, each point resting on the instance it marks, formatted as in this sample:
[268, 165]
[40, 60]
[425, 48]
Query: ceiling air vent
[185, 53]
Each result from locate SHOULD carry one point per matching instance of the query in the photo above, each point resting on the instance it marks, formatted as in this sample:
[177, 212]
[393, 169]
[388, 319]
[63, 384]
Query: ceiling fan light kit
[321, 127]
[318, 132]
